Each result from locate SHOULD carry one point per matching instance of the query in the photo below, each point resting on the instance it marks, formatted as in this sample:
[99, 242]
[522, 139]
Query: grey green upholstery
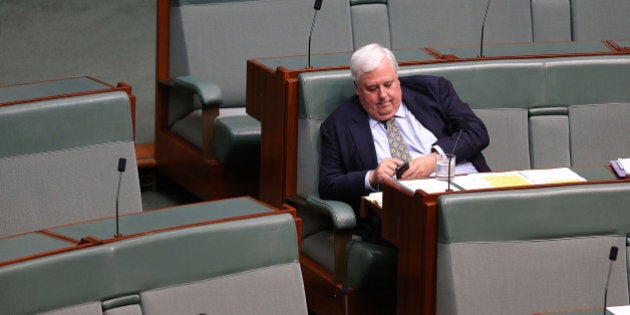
[370, 266]
[437, 23]
[534, 121]
[551, 20]
[236, 267]
[549, 112]
[59, 159]
[594, 20]
[527, 251]
[211, 41]
[370, 22]
[210, 44]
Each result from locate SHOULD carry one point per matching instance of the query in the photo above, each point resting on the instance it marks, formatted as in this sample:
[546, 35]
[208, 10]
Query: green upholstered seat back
[551, 20]
[596, 93]
[214, 39]
[596, 20]
[500, 93]
[243, 266]
[59, 160]
[522, 251]
[320, 93]
[370, 23]
[539, 112]
[433, 23]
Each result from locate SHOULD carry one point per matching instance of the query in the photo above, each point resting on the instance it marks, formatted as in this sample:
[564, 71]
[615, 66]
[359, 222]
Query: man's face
[379, 91]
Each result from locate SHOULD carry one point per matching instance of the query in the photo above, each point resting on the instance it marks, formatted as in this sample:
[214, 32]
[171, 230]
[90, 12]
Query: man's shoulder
[424, 84]
[413, 80]
[346, 110]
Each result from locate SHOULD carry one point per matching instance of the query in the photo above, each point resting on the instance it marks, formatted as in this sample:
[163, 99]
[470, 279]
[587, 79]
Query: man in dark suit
[355, 155]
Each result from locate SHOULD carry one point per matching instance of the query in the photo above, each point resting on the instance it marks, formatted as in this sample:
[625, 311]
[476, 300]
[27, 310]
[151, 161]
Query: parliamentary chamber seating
[61, 142]
[233, 256]
[528, 251]
[206, 141]
[540, 113]
[203, 80]
[64, 250]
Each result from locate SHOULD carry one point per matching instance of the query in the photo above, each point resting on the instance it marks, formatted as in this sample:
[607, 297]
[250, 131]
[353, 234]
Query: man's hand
[420, 167]
[385, 169]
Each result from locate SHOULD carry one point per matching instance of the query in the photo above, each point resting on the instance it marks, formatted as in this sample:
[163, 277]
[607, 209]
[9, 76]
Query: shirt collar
[400, 113]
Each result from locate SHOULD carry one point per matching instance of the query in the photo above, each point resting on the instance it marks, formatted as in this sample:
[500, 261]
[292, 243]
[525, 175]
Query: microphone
[612, 256]
[461, 125]
[483, 26]
[122, 162]
[317, 7]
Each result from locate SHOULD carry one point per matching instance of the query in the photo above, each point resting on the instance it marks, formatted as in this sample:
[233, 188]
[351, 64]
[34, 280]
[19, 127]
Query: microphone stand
[612, 256]
[310, 35]
[117, 216]
[122, 163]
[450, 158]
[483, 26]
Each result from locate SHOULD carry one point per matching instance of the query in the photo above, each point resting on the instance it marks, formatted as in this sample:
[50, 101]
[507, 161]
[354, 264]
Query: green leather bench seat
[539, 112]
[526, 251]
[202, 50]
[218, 55]
[59, 157]
[549, 112]
[234, 267]
[370, 266]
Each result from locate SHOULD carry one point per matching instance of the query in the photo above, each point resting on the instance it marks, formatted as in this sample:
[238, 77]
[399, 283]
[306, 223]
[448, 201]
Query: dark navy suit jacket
[347, 146]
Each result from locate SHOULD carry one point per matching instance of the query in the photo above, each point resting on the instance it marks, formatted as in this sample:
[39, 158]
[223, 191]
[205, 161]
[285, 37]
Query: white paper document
[624, 163]
[489, 180]
[618, 310]
[517, 178]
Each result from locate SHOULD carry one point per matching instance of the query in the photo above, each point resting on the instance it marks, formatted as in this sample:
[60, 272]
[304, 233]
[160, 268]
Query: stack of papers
[495, 180]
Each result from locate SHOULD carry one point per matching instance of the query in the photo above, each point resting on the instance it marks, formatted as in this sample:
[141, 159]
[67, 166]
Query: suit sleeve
[340, 178]
[459, 117]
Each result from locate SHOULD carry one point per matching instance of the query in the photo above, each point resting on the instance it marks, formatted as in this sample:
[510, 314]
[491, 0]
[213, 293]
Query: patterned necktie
[397, 145]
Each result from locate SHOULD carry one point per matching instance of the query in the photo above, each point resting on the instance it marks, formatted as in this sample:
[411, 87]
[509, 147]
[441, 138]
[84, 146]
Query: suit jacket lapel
[422, 113]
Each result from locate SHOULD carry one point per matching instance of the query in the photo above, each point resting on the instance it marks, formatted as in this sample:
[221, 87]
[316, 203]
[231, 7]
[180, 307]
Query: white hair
[368, 58]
